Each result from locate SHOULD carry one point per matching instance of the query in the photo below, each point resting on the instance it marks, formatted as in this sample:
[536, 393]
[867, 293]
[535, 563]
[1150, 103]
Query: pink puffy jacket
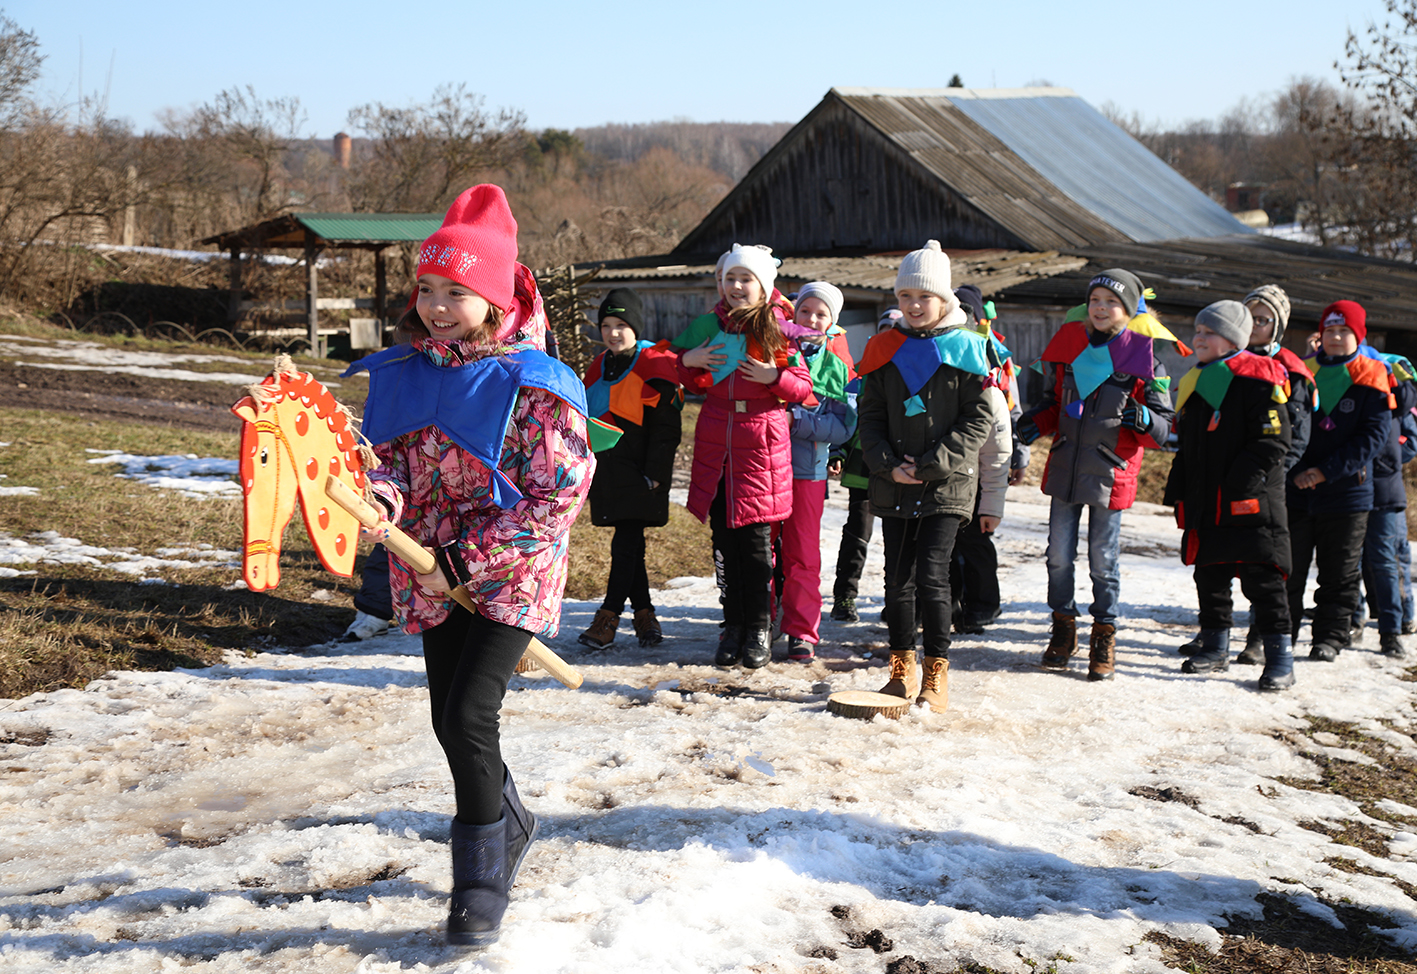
[744, 438]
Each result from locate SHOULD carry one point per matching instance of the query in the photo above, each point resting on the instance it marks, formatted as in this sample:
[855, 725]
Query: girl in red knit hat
[485, 459]
[741, 481]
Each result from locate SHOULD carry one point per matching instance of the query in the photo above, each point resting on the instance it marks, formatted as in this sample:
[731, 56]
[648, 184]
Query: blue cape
[471, 403]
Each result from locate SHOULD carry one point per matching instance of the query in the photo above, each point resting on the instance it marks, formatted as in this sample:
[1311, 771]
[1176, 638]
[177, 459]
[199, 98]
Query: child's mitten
[1136, 416]
[1026, 431]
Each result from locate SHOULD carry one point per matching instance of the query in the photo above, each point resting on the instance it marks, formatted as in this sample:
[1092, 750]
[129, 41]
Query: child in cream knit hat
[923, 418]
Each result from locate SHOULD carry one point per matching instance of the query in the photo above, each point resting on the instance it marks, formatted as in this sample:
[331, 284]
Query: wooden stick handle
[421, 560]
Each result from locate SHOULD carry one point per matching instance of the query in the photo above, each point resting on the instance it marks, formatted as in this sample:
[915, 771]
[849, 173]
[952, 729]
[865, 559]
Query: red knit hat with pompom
[1352, 315]
[476, 245]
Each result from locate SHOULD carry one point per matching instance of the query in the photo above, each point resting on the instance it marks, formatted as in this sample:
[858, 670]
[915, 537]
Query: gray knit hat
[829, 294]
[1121, 282]
[1274, 297]
[927, 269]
[1230, 320]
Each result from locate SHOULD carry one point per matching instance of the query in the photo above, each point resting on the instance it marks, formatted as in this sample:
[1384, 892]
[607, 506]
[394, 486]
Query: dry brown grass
[69, 624]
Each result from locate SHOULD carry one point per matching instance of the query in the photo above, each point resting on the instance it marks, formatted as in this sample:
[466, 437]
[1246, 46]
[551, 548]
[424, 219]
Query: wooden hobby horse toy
[297, 441]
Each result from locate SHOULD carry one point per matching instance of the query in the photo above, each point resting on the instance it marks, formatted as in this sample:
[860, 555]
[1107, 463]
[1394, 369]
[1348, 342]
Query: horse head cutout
[293, 434]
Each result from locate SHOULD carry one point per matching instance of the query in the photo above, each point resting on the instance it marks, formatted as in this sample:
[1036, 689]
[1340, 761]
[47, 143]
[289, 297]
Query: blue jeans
[1104, 536]
[1382, 576]
[1404, 568]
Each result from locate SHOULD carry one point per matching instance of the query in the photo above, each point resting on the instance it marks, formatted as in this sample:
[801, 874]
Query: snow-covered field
[288, 811]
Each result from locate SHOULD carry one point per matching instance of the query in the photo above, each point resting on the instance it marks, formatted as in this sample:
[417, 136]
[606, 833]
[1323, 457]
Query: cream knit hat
[758, 260]
[927, 269]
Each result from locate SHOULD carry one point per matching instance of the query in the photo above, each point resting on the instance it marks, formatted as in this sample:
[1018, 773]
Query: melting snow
[289, 811]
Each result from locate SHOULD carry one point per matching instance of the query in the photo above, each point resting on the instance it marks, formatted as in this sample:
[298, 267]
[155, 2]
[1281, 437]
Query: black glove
[1135, 416]
[1026, 430]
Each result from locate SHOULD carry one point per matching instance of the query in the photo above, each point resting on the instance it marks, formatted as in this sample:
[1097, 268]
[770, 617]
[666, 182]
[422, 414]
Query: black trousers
[629, 579]
[974, 569]
[373, 597]
[1263, 585]
[469, 660]
[851, 557]
[918, 551]
[1335, 543]
[746, 557]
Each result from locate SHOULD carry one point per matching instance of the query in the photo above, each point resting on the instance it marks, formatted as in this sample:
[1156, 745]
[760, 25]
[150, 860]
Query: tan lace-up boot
[602, 629]
[935, 687]
[1102, 652]
[905, 675]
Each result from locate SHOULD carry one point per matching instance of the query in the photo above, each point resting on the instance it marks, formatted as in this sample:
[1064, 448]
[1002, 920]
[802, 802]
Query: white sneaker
[365, 627]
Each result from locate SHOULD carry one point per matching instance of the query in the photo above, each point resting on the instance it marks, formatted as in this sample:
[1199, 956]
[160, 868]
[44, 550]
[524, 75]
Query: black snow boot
[1214, 656]
[1253, 653]
[757, 649]
[479, 884]
[730, 646]
[1278, 663]
[521, 826]
[1192, 647]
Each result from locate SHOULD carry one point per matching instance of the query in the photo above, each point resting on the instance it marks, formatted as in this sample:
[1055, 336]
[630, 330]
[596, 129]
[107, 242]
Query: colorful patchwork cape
[471, 403]
[628, 395]
[1212, 380]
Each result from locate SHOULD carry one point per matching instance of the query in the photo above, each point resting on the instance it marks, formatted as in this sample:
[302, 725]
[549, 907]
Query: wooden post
[381, 292]
[312, 290]
[233, 306]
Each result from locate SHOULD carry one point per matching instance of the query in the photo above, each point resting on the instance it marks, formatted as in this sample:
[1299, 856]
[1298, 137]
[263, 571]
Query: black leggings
[746, 555]
[629, 579]
[469, 659]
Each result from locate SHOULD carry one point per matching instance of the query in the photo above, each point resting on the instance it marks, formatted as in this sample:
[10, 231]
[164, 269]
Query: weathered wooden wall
[814, 197]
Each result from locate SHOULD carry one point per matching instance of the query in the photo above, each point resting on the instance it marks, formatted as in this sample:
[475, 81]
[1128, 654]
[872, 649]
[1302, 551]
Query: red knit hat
[476, 245]
[1348, 313]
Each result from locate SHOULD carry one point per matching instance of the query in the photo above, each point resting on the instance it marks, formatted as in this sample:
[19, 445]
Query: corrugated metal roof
[1096, 163]
[371, 227]
[979, 166]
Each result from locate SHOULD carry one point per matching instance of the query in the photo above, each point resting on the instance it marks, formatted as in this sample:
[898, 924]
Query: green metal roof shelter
[314, 232]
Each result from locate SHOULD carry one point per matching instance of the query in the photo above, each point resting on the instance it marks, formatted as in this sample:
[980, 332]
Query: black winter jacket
[619, 491]
[944, 440]
[1227, 483]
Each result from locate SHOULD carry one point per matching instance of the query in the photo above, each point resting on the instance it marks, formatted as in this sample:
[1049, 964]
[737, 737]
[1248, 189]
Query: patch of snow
[190, 475]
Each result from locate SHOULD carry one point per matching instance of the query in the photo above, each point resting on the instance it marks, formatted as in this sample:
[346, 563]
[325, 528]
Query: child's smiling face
[1105, 311]
[741, 288]
[1209, 346]
[919, 309]
[617, 334]
[450, 311]
[813, 313]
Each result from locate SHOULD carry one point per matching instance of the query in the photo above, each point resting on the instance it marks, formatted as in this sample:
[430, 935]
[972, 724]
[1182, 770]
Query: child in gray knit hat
[1227, 486]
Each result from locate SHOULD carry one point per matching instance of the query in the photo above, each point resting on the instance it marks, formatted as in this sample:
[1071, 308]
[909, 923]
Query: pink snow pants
[802, 561]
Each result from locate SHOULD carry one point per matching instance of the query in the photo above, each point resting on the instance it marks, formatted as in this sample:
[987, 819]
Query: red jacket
[744, 437]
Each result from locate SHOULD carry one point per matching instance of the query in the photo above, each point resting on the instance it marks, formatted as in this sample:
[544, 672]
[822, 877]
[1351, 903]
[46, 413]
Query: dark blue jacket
[1389, 492]
[1343, 450]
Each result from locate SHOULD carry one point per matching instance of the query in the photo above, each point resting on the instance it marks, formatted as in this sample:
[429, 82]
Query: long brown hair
[760, 324]
[410, 326]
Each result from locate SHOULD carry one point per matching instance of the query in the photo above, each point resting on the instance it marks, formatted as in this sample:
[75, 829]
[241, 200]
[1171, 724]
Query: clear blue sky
[567, 65]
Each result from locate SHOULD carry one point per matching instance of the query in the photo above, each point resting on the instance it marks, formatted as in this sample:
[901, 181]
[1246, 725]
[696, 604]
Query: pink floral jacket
[441, 495]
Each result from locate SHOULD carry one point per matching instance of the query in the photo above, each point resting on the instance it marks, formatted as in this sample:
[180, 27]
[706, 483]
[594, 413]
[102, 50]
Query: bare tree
[20, 61]
[418, 159]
